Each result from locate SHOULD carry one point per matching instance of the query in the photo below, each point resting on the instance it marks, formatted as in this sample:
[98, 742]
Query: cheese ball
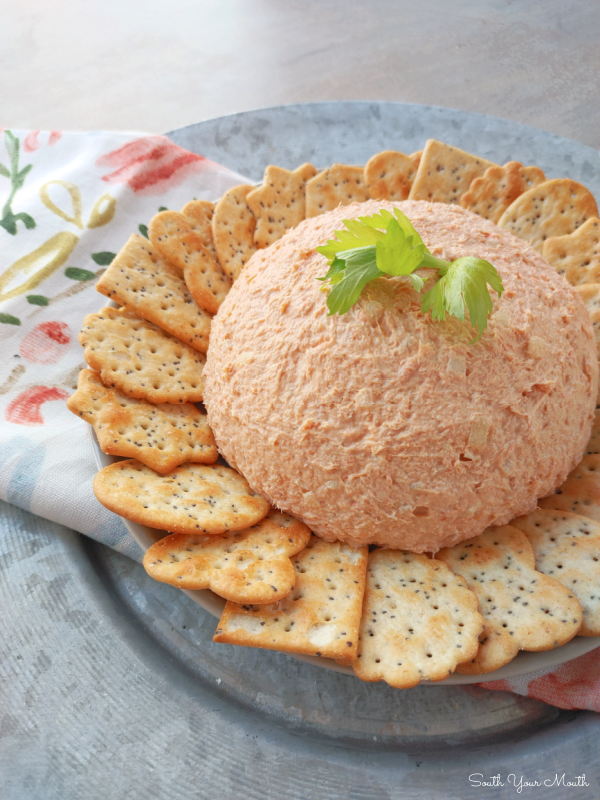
[383, 426]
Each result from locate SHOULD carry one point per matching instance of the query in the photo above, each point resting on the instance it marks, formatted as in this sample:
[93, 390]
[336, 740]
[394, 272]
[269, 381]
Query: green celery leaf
[464, 282]
[396, 254]
[408, 228]
[336, 266]
[417, 282]
[357, 274]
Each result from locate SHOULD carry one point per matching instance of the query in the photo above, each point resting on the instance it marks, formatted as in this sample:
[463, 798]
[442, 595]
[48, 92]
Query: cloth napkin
[68, 202]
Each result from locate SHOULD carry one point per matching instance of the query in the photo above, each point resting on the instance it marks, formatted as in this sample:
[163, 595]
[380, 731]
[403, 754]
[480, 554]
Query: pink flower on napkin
[25, 409]
[150, 165]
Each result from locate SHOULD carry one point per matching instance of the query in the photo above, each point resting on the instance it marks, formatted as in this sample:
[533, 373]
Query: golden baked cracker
[306, 171]
[278, 204]
[233, 227]
[593, 446]
[389, 175]
[522, 609]
[553, 208]
[576, 255]
[248, 566]
[160, 436]
[193, 498]
[580, 493]
[445, 173]
[140, 359]
[142, 280]
[199, 214]
[492, 193]
[339, 185]
[419, 620]
[567, 547]
[590, 294]
[177, 242]
[320, 617]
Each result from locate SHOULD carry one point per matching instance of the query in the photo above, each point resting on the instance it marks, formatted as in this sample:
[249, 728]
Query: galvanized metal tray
[112, 684]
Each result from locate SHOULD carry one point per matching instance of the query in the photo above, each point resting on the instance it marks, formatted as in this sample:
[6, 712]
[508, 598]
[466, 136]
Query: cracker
[553, 208]
[567, 547]
[142, 280]
[199, 214]
[576, 255]
[339, 185]
[248, 566]
[522, 608]
[233, 227]
[389, 175]
[306, 171]
[140, 359]
[177, 242]
[593, 446]
[580, 493]
[162, 437]
[419, 620]
[590, 294]
[445, 173]
[278, 205]
[492, 193]
[320, 617]
[192, 498]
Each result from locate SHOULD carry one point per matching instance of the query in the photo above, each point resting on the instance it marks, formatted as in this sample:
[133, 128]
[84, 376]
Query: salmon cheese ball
[384, 426]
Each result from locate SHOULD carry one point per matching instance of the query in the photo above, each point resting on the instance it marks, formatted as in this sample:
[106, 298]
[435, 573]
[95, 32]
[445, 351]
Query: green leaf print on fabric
[77, 274]
[37, 300]
[103, 259]
[8, 319]
[143, 229]
[17, 179]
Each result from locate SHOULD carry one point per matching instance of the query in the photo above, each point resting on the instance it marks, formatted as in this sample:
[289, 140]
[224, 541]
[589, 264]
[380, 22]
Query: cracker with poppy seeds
[580, 492]
[192, 498]
[174, 237]
[576, 255]
[306, 171]
[199, 214]
[553, 208]
[491, 194]
[389, 175]
[445, 173]
[320, 617]
[142, 280]
[278, 204]
[160, 436]
[522, 608]
[339, 185]
[590, 294]
[593, 446]
[567, 548]
[247, 566]
[233, 226]
[419, 620]
[140, 359]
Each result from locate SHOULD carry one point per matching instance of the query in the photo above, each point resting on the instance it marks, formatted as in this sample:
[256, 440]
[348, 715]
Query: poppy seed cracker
[553, 208]
[248, 566]
[140, 359]
[522, 608]
[174, 237]
[492, 193]
[419, 620]
[567, 547]
[580, 492]
[389, 175]
[278, 205]
[142, 280]
[445, 173]
[320, 617]
[340, 185]
[193, 498]
[576, 255]
[233, 226]
[160, 436]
